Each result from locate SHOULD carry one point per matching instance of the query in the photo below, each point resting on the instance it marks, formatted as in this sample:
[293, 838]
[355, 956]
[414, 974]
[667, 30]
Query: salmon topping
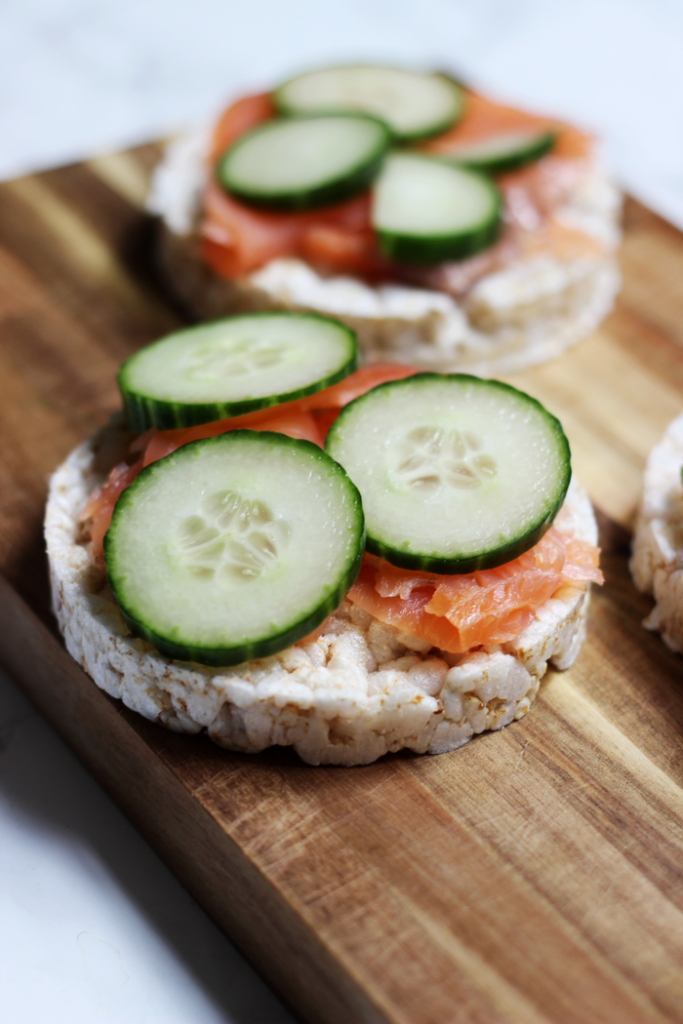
[484, 119]
[100, 504]
[492, 606]
[243, 115]
[237, 239]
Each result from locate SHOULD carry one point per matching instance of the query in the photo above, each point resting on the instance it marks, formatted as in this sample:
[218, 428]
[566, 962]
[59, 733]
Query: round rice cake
[527, 312]
[360, 690]
[657, 560]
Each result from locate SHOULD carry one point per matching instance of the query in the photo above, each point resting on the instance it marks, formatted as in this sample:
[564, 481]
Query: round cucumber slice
[456, 473]
[233, 366]
[426, 211]
[505, 152]
[305, 162]
[414, 105]
[234, 547]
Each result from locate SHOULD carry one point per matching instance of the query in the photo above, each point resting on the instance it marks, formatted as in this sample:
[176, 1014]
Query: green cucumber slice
[426, 211]
[301, 163]
[234, 547]
[233, 366]
[456, 473]
[505, 152]
[414, 105]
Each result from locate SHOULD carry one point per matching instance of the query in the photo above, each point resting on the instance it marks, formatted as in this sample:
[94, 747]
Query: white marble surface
[94, 927]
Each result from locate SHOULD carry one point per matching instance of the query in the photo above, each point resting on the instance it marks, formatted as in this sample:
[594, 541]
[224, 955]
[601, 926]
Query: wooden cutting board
[535, 875]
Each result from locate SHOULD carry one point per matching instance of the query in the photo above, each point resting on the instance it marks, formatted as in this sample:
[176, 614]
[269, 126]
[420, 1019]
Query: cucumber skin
[487, 560]
[463, 566]
[142, 413]
[427, 251]
[286, 110]
[328, 194]
[226, 656]
[501, 165]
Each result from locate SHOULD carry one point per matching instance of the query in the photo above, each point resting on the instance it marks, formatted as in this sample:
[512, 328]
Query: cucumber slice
[506, 152]
[234, 547]
[232, 366]
[414, 105]
[300, 163]
[456, 473]
[426, 211]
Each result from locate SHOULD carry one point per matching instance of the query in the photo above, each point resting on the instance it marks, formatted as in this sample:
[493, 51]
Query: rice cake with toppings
[360, 690]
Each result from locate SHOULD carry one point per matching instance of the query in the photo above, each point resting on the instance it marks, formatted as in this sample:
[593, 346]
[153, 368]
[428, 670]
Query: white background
[93, 927]
[78, 76]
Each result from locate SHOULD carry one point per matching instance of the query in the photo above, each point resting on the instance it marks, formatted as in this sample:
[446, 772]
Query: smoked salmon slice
[484, 118]
[457, 613]
[237, 239]
[238, 119]
[100, 504]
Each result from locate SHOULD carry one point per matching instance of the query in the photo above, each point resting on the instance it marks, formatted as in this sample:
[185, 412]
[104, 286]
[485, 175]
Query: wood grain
[533, 876]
